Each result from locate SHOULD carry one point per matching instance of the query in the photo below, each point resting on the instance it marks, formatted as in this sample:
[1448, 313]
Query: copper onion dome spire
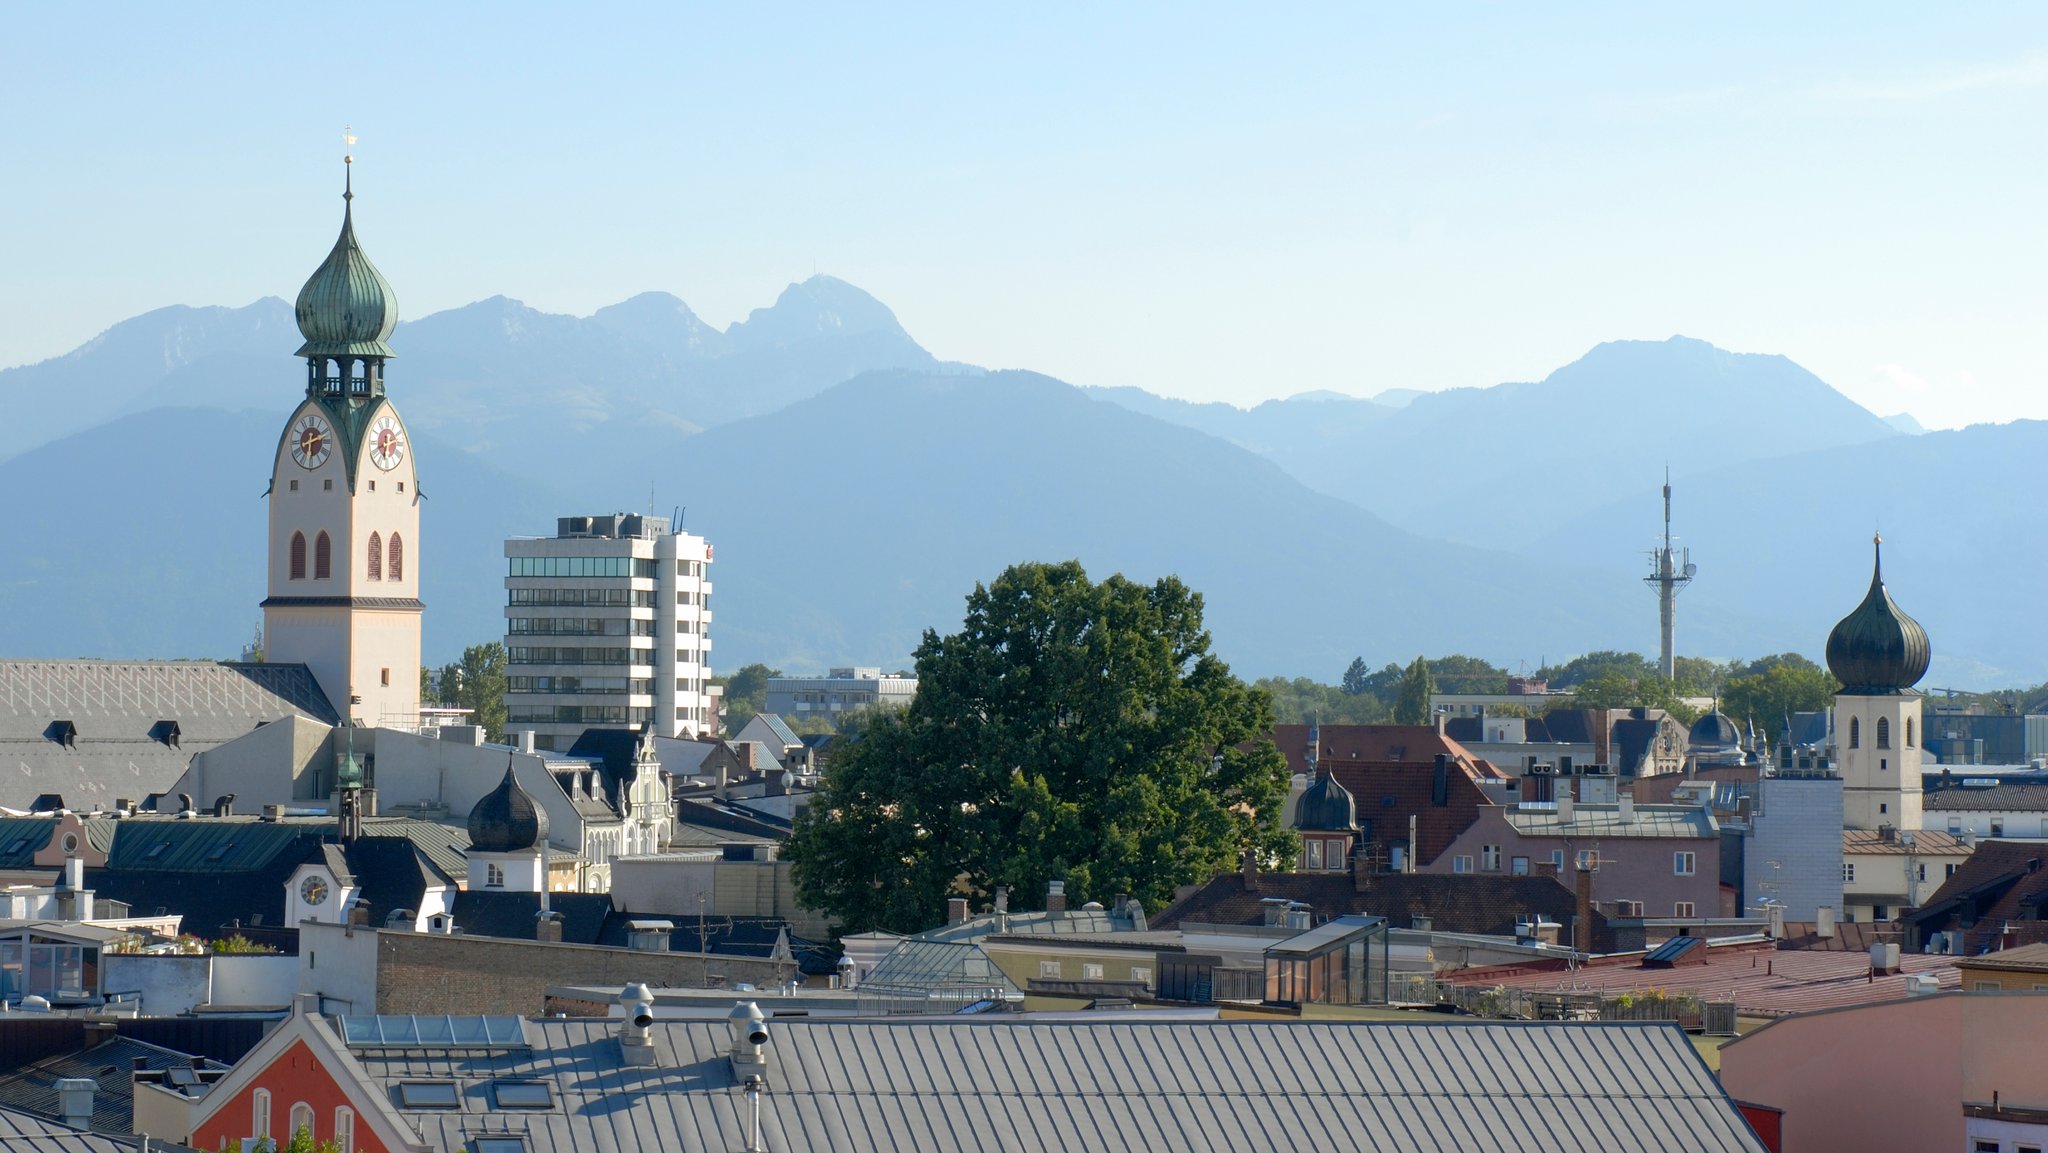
[1878, 650]
[347, 308]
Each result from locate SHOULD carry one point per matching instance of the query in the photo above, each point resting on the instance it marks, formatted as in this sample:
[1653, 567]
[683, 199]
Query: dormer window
[62, 732]
[166, 732]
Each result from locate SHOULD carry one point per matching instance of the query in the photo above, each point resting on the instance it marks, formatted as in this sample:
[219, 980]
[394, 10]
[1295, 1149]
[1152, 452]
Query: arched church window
[376, 557]
[394, 558]
[1855, 732]
[323, 557]
[1884, 732]
[298, 556]
[1909, 732]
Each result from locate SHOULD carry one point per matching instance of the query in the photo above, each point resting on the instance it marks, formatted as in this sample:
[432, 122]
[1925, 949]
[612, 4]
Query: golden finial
[348, 140]
[348, 162]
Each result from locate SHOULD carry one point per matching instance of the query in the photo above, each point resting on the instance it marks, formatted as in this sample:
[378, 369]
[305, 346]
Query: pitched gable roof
[2001, 887]
[1481, 903]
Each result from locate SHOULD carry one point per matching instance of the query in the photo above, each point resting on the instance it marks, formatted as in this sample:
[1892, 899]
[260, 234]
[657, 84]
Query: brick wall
[435, 973]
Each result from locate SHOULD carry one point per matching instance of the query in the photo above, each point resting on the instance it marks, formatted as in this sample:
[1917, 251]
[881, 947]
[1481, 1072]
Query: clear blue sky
[1216, 203]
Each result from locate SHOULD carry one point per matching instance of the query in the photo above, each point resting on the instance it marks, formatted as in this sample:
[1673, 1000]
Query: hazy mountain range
[856, 489]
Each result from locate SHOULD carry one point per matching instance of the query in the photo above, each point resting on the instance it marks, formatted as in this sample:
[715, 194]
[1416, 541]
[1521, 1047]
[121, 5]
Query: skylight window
[428, 1095]
[523, 1095]
[161, 848]
[16, 845]
[220, 852]
[499, 1145]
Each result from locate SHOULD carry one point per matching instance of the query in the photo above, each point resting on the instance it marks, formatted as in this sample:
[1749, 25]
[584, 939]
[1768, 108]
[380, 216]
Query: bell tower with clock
[344, 502]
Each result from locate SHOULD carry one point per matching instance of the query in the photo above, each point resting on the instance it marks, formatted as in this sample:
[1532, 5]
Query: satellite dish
[1690, 569]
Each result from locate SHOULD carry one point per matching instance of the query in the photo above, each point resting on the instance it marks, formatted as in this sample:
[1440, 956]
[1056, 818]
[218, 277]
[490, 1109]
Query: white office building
[606, 626]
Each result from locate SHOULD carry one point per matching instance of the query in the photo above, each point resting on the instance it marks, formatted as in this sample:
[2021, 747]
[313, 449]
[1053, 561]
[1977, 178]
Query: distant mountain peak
[820, 306]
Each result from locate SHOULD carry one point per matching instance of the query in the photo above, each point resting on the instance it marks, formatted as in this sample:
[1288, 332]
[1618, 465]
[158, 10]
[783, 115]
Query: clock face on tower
[313, 890]
[312, 438]
[387, 443]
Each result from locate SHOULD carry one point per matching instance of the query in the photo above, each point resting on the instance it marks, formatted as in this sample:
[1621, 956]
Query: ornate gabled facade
[344, 502]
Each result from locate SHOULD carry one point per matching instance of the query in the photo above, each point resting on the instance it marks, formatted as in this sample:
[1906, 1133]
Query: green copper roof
[347, 308]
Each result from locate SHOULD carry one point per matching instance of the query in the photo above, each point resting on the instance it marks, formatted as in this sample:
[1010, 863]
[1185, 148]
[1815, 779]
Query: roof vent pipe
[636, 1033]
[749, 1043]
[74, 1100]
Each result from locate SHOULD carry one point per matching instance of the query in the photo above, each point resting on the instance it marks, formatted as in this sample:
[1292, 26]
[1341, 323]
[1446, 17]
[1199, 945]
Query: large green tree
[1615, 689]
[1417, 686]
[1771, 696]
[1301, 700]
[745, 692]
[1356, 676]
[1071, 730]
[479, 686]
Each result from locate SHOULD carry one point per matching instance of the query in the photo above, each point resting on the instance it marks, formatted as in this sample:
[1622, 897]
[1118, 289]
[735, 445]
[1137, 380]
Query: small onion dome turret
[1877, 650]
[1326, 807]
[347, 308]
[507, 820]
[1715, 731]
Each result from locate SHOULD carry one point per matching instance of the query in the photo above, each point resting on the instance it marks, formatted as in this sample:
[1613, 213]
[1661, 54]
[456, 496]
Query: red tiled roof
[1762, 981]
[1417, 744]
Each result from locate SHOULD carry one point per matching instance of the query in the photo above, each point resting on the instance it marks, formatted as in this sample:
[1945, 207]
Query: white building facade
[607, 625]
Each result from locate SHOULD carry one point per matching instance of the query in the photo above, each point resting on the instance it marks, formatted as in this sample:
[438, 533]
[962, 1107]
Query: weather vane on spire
[348, 140]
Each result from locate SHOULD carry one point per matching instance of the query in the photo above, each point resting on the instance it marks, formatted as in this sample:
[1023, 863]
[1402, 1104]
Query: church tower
[344, 502]
[1878, 653]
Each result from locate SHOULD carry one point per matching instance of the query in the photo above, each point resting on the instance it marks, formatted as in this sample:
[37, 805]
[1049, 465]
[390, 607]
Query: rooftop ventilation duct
[749, 1043]
[636, 1033]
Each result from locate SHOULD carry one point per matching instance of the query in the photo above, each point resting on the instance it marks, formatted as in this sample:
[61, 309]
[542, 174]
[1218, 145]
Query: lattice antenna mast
[1671, 570]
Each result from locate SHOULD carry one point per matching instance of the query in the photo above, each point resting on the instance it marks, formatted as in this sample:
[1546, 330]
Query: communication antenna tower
[1670, 571]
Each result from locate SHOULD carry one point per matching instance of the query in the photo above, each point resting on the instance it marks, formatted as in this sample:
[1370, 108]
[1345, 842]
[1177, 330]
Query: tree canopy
[1774, 694]
[1301, 700]
[477, 683]
[1417, 686]
[745, 692]
[1071, 730]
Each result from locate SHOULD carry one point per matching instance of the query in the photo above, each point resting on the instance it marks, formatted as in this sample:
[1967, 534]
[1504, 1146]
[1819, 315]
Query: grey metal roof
[25, 1131]
[121, 747]
[34, 1089]
[1606, 821]
[1015, 1085]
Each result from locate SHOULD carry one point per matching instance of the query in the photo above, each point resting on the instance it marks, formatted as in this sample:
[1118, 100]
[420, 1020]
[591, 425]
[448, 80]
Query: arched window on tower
[323, 557]
[376, 557]
[394, 558]
[1884, 732]
[1909, 732]
[298, 556]
[1855, 732]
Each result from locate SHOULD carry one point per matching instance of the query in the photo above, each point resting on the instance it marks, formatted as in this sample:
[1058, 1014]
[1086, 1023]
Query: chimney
[1440, 782]
[1250, 870]
[524, 739]
[956, 910]
[1627, 803]
[74, 1100]
[1565, 814]
[1441, 718]
[1824, 921]
[547, 927]
[1421, 922]
[1002, 898]
[1056, 898]
[359, 914]
[74, 873]
[1582, 924]
[1298, 916]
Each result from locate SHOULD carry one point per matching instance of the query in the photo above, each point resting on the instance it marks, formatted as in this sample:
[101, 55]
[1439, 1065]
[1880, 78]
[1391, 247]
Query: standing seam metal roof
[1111, 1087]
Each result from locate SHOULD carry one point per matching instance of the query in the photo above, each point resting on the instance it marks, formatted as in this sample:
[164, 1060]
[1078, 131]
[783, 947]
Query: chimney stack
[1250, 870]
[1002, 898]
[547, 926]
[1565, 814]
[1627, 803]
[1582, 924]
[74, 1100]
[956, 910]
[1056, 898]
